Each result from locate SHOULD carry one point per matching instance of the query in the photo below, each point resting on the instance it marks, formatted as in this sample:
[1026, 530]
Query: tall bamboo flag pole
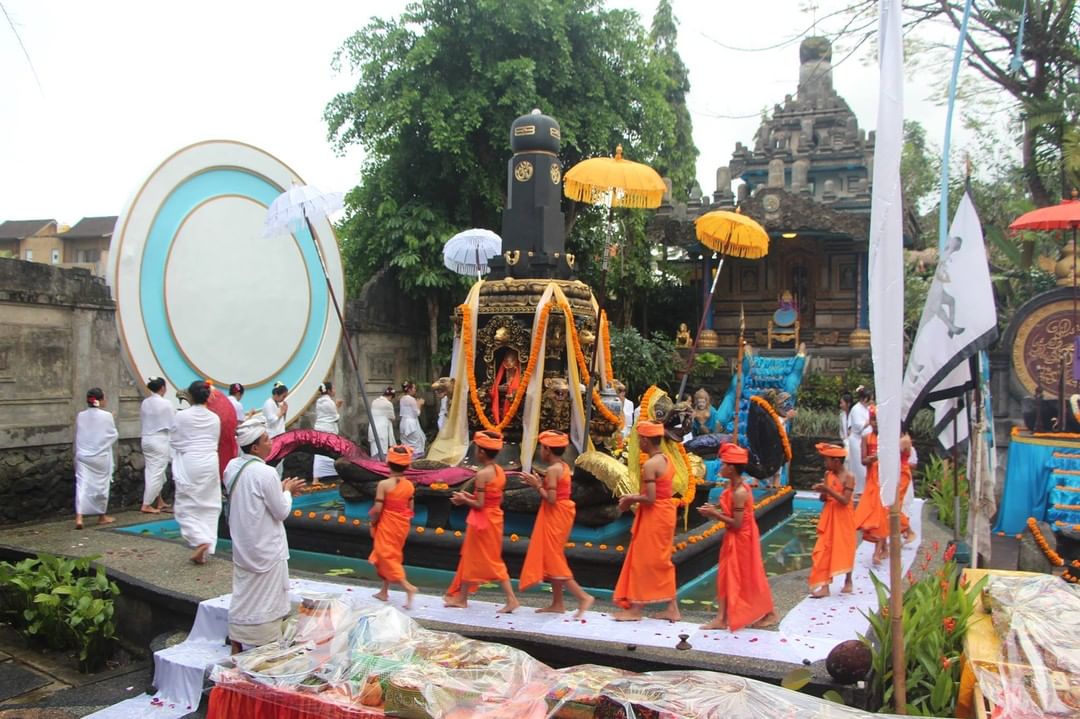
[886, 304]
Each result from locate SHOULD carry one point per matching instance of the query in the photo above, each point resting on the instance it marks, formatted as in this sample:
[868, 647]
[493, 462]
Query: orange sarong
[648, 574]
[740, 578]
[871, 516]
[391, 531]
[481, 552]
[834, 551]
[546, 559]
[902, 489]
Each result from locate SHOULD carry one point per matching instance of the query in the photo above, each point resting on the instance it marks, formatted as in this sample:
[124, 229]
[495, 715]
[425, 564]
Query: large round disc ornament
[202, 294]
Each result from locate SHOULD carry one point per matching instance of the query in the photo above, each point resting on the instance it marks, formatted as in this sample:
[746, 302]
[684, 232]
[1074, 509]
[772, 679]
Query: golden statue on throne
[506, 385]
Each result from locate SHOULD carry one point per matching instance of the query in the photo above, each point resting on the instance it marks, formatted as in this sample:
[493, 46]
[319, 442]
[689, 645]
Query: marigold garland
[1054, 558]
[583, 368]
[605, 337]
[470, 368]
[764, 404]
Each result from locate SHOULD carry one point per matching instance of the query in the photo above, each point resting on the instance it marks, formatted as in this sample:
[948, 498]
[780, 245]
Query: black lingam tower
[533, 230]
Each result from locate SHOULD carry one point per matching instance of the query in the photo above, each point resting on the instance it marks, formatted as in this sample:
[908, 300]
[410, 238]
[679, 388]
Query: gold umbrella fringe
[590, 194]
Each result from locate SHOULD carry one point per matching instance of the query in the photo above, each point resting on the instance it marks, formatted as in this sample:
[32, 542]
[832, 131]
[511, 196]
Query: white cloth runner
[839, 617]
[808, 632]
[143, 706]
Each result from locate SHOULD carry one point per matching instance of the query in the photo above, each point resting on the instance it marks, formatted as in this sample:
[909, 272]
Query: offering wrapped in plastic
[576, 690]
[1037, 619]
[711, 695]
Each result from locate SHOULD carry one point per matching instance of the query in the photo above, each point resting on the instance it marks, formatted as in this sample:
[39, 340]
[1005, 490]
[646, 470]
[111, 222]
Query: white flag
[959, 318]
[886, 271]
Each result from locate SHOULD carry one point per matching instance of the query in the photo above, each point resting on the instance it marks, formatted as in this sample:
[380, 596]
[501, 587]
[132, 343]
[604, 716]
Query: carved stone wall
[58, 339]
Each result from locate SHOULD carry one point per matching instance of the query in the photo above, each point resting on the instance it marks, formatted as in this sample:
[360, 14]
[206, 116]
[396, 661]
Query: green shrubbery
[936, 613]
[822, 391]
[61, 604]
[937, 486]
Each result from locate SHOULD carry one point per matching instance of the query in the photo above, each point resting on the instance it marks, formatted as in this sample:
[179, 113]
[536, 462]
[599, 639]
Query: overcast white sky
[123, 84]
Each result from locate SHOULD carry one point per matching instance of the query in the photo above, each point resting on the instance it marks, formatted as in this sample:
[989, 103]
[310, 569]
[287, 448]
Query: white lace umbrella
[293, 210]
[468, 252]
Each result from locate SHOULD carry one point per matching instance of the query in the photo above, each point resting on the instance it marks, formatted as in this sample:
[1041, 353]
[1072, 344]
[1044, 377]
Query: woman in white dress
[412, 434]
[858, 425]
[326, 420]
[845, 408]
[194, 441]
[275, 409]
[236, 393]
[155, 417]
[95, 435]
[382, 421]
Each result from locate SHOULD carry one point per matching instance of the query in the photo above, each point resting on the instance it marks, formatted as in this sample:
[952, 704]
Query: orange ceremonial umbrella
[611, 182]
[614, 182]
[728, 234]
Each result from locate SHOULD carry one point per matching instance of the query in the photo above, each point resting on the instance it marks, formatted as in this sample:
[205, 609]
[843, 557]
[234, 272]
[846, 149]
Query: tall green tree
[1041, 87]
[436, 91]
[676, 159]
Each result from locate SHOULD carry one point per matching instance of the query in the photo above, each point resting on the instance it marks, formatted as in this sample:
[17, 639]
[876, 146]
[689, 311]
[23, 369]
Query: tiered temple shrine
[807, 181]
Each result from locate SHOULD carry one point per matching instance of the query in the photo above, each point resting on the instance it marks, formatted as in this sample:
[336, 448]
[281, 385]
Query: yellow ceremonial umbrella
[611, 182]
[728, 234]
[614, 182]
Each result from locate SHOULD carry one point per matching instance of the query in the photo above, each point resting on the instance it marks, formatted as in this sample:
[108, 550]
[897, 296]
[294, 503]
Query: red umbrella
[1056, 217]
[1063, 216]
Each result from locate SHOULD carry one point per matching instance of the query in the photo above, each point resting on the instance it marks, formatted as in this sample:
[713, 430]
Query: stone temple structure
[806, 179]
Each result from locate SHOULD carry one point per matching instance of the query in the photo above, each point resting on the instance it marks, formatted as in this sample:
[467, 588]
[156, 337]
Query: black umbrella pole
[700, 329]
[348, 341]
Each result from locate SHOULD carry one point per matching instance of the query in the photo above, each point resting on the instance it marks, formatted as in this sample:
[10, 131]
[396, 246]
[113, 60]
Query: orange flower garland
[583, 368]
[764, 404]
[605, 337]
[470, 368]
[1054, 557]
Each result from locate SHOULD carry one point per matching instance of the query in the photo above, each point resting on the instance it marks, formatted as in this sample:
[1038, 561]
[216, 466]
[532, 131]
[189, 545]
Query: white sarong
[95, 435]
[197, 506]
[326, 420]
[381, 421]
[412, 433]
[155, 449]
[858, 425]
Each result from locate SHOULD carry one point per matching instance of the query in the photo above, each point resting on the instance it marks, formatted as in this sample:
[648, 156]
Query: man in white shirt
[259, 502]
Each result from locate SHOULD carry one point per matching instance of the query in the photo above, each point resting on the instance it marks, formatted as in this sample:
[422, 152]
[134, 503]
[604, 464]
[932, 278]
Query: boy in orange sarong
[871, 516]
[648, 575]
[834, 551]
[905, 484]
[481, 552]
[390, 515]
[743, 595]
[545, 559]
